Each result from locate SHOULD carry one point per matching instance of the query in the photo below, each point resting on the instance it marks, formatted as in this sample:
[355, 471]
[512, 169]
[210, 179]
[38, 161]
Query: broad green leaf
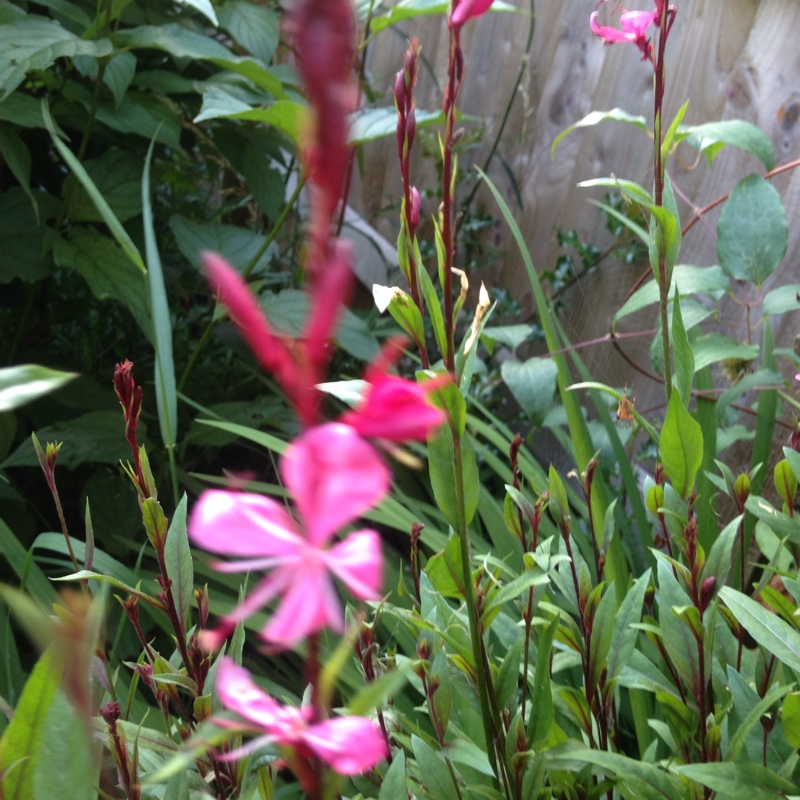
[782, 300]
[444, 570]
[769, 630]
[378, 123]
[714, 347]
[466, 752]
[24, 567]
[510, 335]
[763, 378]
[115, 226]
[36, 43]
[17, 157]
[97, 436]
[204, 7]
[739, 781]
[753, 718]
[680, 446]
[238, 245]
[542, 710]
[790, 716]
[595, 118]
[264, 180]
[117, 174]
[67, 757]
[107, 269]
[255, 27]
[26, 382]
[682, 353]
[781, 524]
[21, 745]
[533, 384]
[785, 482]
[178, 559]
[166, 393]
[441, 456]
[710, 281]
[119, 74]
[678, 640]
[752, 233]
[409, 9]
[25, 235]
[623, 641]
[711, 137]
[433, 771]
[394, 783]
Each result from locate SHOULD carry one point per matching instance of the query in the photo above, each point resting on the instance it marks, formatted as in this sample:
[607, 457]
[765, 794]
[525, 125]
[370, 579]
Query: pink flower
[348, 744]
[334, 476]
[468, 9]
[297, 366]
[394, 409]
[634, 25]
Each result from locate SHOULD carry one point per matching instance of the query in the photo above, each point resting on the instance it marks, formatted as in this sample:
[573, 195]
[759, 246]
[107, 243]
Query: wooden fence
[731, 58]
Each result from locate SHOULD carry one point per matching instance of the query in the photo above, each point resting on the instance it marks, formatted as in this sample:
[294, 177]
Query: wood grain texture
[732, 59]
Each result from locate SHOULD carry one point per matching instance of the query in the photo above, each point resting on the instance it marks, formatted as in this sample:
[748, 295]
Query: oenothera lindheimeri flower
[298, 365]
[633, 29]
[468, 9]
[348, 744]
[334, 476]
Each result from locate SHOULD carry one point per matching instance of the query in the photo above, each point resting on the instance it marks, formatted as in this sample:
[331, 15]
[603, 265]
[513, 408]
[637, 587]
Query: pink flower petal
[349, 744]
[238, 693]
[309, 604]
[357, 563]
[469, 9]
[636, 23]
[240, 524]
[395, 410]
[334, 476]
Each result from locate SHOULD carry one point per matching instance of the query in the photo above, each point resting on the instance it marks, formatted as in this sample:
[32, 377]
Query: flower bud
[415, 205]
[741, 489]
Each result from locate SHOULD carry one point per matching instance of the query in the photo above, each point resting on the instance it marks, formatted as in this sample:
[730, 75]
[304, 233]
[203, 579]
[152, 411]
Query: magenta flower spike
[334, 476]
[633, 29]
[350, 745]
[468, 9]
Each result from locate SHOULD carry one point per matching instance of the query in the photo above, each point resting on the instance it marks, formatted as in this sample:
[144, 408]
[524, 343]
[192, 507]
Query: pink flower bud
[468, 9]
[415, 204]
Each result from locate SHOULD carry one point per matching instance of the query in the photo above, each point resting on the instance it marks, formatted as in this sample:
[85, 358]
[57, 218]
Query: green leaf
[782, 300]
[466, 752]
[623, 641]
[542, 710]
[678, 641]
[17, 157]
[30, 574]
[781, 524]
[107, 269]
[115, 226]
[595, 118]
[26, 382]
[790, 716]
[378, 123]
[434, 307]
[533, 384]
[718, 563]
[680, 446]
[709, 281]
[410, 9]
[400, 305]
[66, 755]
[117, 175]
[711, 137]
[752, 233]
[21, 746]
[443, 478]
[682, 352]
[178, 559]
[444, 570]
[515, 588]
[769, 630]
[394, 782]
[433, 771]
[36, 43]
[255, 27]
[714, 347]
[86, 574]
[118, 75]
[785, 482]
[204, 7]
[510, 335]
[739, 781]
[754, 716]
[166, 392]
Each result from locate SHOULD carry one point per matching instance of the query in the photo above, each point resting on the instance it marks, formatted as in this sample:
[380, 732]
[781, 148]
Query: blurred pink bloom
[334, 476]
[468, 9]
[297, 365]
[634, 25]
[394, 409]
[348, 744]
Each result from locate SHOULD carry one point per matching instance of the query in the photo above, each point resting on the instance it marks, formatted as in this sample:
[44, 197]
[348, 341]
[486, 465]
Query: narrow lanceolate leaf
[769, 630]
[683, 355]
[629, 613]
[681, 446]
[542, 709]
[178, 558]
[20, 385]
[739, 781]
[166, 393]
[21, 744]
